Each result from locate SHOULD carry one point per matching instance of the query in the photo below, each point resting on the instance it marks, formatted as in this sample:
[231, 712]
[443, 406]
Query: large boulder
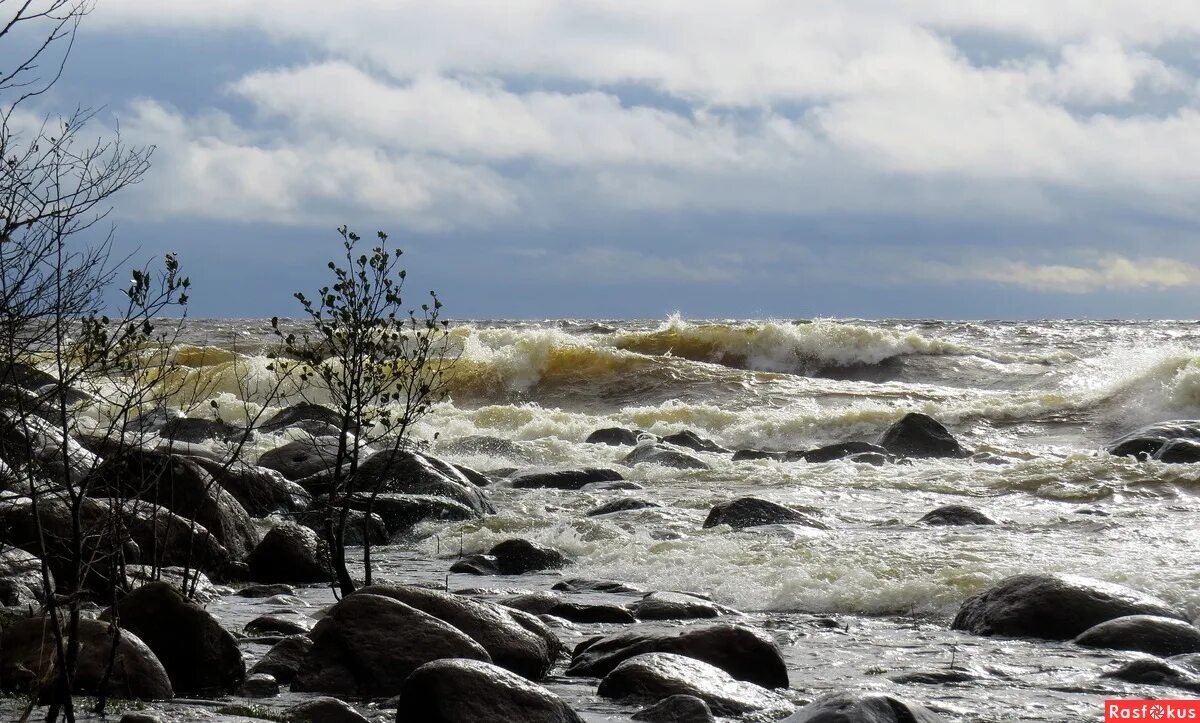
[199, 655]
[302, 458]
[1154, 671]
[742, 652]
[955, 516]
[259, 490]
[919, 435]
[284, 658]
[1179, 451]
[190, 430]
[669, 605]
[843, 450]
[486, 445]
[1144, 633]
[549, 603]
[517, 557]
[677, 709]
[290, 553]
[690, 440]
[27, 659]
[367, 645]
[520, 643]
[165, 539]
[182, 486]
[664, 455]
[360, 526]
[454, 691]
[323, 710]
[1149, 441]
[617, 437]
[410, 472]
[564, 479]
[860, 708]
[653, 676]
[1053, 607]
[29, 440]
[312, 418]
[402, 512]
[21, 580]
[621, 504]
[752, 511]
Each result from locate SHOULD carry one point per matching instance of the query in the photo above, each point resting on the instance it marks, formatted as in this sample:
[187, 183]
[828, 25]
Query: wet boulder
[360, 526]
[323, 710]
[302, 458]
[275, 624]
[453, 691]
[261, 491]
[483, 444]
[1148, 441]
[919, 435]
[290, 553]
[1179, 451]
[623, 504]
[832, 452]
[863, 708]
[1053, 607]
[744, 653]
[181, 486]
[284, 658]
[1153, 671]
[654, 676]
[516, 642]
[476, 564]
[1144, 633]
[690, 440]
[192, 430]
[166, 539]
[612, 587]
[518, 557]
[315, 419]
[198, 654]
[753, 454]
[618, 437]
[665, 605]
[367, 645]
[32, 441]
[549, 603]
[677, 709]
[564, 479]
[402, 512]
[752, 512]
[955, 516]
[27, 657]
[407, 472]
[664, 455]
[20, 578]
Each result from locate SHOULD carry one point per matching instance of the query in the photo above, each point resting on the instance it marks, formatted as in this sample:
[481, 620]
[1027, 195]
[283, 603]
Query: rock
[187, 429]
[517, 557]
[35, 442]
[180, 485]
[863, 708]
[26, 655]
[872, 458]
[653, 676]
[301, 458]
[359, 525]
[279, 625]
[487, 445]
[290, 553]
[955, 515]
[1147, 442]
[20, 578]
[199, 655]
[618, 437]
[139, 717]
[312, 418]
[663, 455]
[1189, 661]
[409, 472]
[366, 645]
[833, 452]
[1144, 633]
[477, 478]
[752, 512]
[622, 504]
[476, 564]
[284, 658]
[199, 588]
[677, 709]
[919, 435]
[261, 491]
[1179, 451]
[402, 512]
[940, 676]
[1052, 607]
[260, 685]
[742, 652]
[455, 691]
[257, 591]
[690, 440]
[564, 479]
[579, 584]
[164, 538]
[323, 710]
[677, 606]
[515, 642]
[751, 454]
[1152, 671]
[551, 604]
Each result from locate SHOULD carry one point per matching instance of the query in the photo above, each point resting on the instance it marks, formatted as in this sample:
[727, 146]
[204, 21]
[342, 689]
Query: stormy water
[869, 600]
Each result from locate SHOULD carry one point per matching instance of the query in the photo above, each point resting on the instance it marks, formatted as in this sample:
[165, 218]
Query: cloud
[1110, 273]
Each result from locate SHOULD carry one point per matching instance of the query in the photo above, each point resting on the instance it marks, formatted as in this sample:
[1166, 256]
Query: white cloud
[1112, 273]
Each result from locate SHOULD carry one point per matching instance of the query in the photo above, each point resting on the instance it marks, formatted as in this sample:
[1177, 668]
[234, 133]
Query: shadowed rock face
[653, 676]
[290, 553]
[367, 645]
[664, 455]
[752, 512]
[854, 708]
[1053, 607]
[955, 515]
[564, 479]
[1151, 671]
[1145, 633]
[677, 709]
[454, 691]
[617, 437]
[919, 435]
[1151, 441]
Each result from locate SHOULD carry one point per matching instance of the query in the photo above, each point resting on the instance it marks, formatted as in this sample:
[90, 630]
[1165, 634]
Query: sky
[621, 159]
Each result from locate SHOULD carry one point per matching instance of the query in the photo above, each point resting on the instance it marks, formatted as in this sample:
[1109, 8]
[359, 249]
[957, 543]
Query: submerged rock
[517, 557]
[665, 456]
[677, 709]
[1179, 451]
[653, 676]
[456, 691]
[564, 479]
[677, 606]
[367, 645]
[408, 472]
[752, 512]
[955, 515]
[690, 440]
[919, 435]
[402, 512]
[1153, 671]
[487, 445]
[833, 452]
[751, 454]
[1144, 633]
[315, 419]
[301, 458]
[859, 708]
[742, 652]
[624, 504]
[579, 584]
[290, 553]
[259, 490]
[1148, 441]
[27, 655]
[1053, 607]
[515, 641]
[618, 437]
